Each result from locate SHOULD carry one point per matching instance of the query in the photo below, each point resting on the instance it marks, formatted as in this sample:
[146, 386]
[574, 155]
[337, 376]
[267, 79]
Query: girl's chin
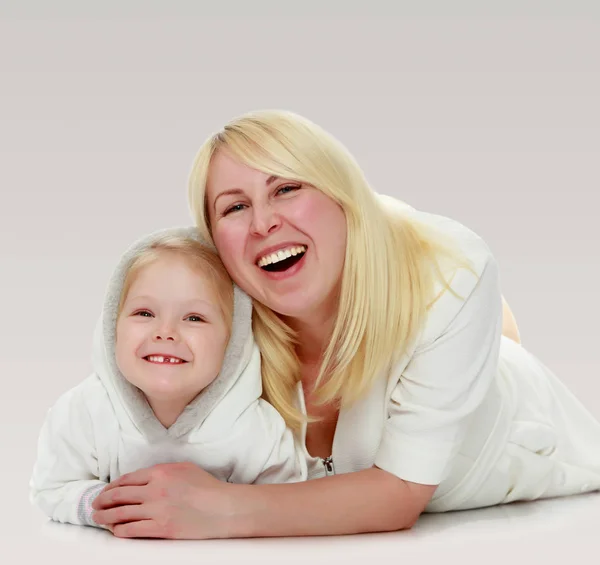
[169, 394]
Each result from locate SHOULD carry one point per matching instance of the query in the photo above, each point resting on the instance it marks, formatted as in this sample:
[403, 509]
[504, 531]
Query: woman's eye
[287, 189]
[234, 208]
[195, 318]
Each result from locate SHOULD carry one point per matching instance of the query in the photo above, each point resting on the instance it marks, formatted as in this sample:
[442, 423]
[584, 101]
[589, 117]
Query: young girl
[176, 378]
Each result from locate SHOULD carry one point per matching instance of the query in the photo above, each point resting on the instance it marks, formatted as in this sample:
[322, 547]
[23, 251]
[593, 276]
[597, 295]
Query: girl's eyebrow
[139, 298]
[190, 304]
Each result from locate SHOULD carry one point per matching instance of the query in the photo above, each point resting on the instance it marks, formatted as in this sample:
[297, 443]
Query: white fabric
[552, 446]
[104, 428]
[468, 409]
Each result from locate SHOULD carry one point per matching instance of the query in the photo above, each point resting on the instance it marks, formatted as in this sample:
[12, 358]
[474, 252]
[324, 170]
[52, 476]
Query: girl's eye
[234, 208]
[144, 314]
[287, 189]
[195, 318]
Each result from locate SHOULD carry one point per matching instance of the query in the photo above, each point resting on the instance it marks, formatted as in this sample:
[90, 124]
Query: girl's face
[171, 334]
[282, 242]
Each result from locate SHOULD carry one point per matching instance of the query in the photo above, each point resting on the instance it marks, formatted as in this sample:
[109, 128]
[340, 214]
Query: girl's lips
[161, 359]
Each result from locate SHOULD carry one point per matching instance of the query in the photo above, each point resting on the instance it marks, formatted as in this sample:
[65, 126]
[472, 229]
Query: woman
[386, 326]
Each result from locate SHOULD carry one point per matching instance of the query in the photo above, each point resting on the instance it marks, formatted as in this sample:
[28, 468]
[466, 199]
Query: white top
[104, 427]
[441, 413]
[440, 417]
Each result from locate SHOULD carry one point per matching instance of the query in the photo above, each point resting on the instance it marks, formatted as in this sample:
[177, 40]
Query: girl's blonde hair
[199, 257]
[391, 261]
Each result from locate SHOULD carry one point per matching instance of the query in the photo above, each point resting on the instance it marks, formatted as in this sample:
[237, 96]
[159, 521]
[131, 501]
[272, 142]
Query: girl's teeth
[281, 255]
[162, 359]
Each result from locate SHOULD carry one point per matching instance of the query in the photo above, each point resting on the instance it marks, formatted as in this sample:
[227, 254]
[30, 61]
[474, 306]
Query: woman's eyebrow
[228, 192]
[237, 191]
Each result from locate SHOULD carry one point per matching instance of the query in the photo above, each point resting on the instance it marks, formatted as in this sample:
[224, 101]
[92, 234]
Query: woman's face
[282, 242]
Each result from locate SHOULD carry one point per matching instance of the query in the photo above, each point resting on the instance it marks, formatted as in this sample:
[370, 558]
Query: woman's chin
[300, 308]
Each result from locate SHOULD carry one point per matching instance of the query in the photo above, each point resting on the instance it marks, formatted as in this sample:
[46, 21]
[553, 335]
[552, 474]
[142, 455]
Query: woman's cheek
[230, 240]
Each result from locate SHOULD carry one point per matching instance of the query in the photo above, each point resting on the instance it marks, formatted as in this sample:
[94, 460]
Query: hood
[128, 400]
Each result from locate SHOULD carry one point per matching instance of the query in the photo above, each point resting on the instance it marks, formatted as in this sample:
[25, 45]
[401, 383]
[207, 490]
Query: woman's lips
[289, 272]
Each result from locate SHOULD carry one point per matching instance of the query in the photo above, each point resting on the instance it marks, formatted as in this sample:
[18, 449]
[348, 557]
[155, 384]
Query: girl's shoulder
[84, 402]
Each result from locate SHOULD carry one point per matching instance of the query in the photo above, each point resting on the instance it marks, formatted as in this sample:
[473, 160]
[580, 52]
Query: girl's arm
[65, 475]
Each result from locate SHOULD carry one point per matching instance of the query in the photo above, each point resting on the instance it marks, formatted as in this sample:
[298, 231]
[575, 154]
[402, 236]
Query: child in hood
[176, 378]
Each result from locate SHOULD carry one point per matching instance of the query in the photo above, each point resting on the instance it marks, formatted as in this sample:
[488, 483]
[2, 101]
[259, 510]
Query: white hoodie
[104, 427]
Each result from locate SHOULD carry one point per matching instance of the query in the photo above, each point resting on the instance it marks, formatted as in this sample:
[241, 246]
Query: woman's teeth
[163, 359]
[281, 255]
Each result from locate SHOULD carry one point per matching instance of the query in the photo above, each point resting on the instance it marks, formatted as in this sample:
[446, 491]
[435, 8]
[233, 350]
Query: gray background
[488, 112]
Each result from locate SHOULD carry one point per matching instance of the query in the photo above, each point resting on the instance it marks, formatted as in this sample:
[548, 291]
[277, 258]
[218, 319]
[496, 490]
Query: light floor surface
[550, 531]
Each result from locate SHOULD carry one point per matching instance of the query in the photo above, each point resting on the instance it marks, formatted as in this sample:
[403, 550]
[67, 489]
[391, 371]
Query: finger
[137, 478]
[139, 529]
[120, 514]
[120, 496]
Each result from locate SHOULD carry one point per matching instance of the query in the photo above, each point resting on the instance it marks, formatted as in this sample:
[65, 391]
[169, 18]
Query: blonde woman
[386, 346]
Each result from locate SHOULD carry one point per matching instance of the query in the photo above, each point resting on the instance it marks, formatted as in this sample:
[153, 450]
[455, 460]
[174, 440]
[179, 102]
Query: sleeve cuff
[84, 509]
[415, 460]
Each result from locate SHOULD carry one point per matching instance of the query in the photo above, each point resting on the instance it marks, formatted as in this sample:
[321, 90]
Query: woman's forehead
[227, 174]
[224, 165]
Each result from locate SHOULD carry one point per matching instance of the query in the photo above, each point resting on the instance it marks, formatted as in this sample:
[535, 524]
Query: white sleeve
[266, 450]
[445, 381]
[65, 475]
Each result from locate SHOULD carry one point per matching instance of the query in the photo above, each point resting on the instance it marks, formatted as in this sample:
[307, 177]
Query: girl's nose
[164, 336]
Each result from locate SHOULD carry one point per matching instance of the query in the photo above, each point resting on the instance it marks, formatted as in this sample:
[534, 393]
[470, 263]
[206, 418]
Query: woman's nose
[264, 220]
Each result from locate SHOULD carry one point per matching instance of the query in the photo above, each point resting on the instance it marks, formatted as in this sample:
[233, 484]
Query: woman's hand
[181, 501]
[173, 500]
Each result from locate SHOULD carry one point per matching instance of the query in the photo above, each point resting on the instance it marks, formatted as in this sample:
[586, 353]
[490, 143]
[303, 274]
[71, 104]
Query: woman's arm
[372, 500]
[180, 500]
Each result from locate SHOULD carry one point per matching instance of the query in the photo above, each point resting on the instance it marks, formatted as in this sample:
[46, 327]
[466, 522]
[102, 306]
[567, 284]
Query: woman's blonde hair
[198, 256]
[391, 261]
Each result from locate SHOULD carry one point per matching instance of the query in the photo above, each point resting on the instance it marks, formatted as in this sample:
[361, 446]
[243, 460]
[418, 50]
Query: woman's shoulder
[465, 240]
[475, 283]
